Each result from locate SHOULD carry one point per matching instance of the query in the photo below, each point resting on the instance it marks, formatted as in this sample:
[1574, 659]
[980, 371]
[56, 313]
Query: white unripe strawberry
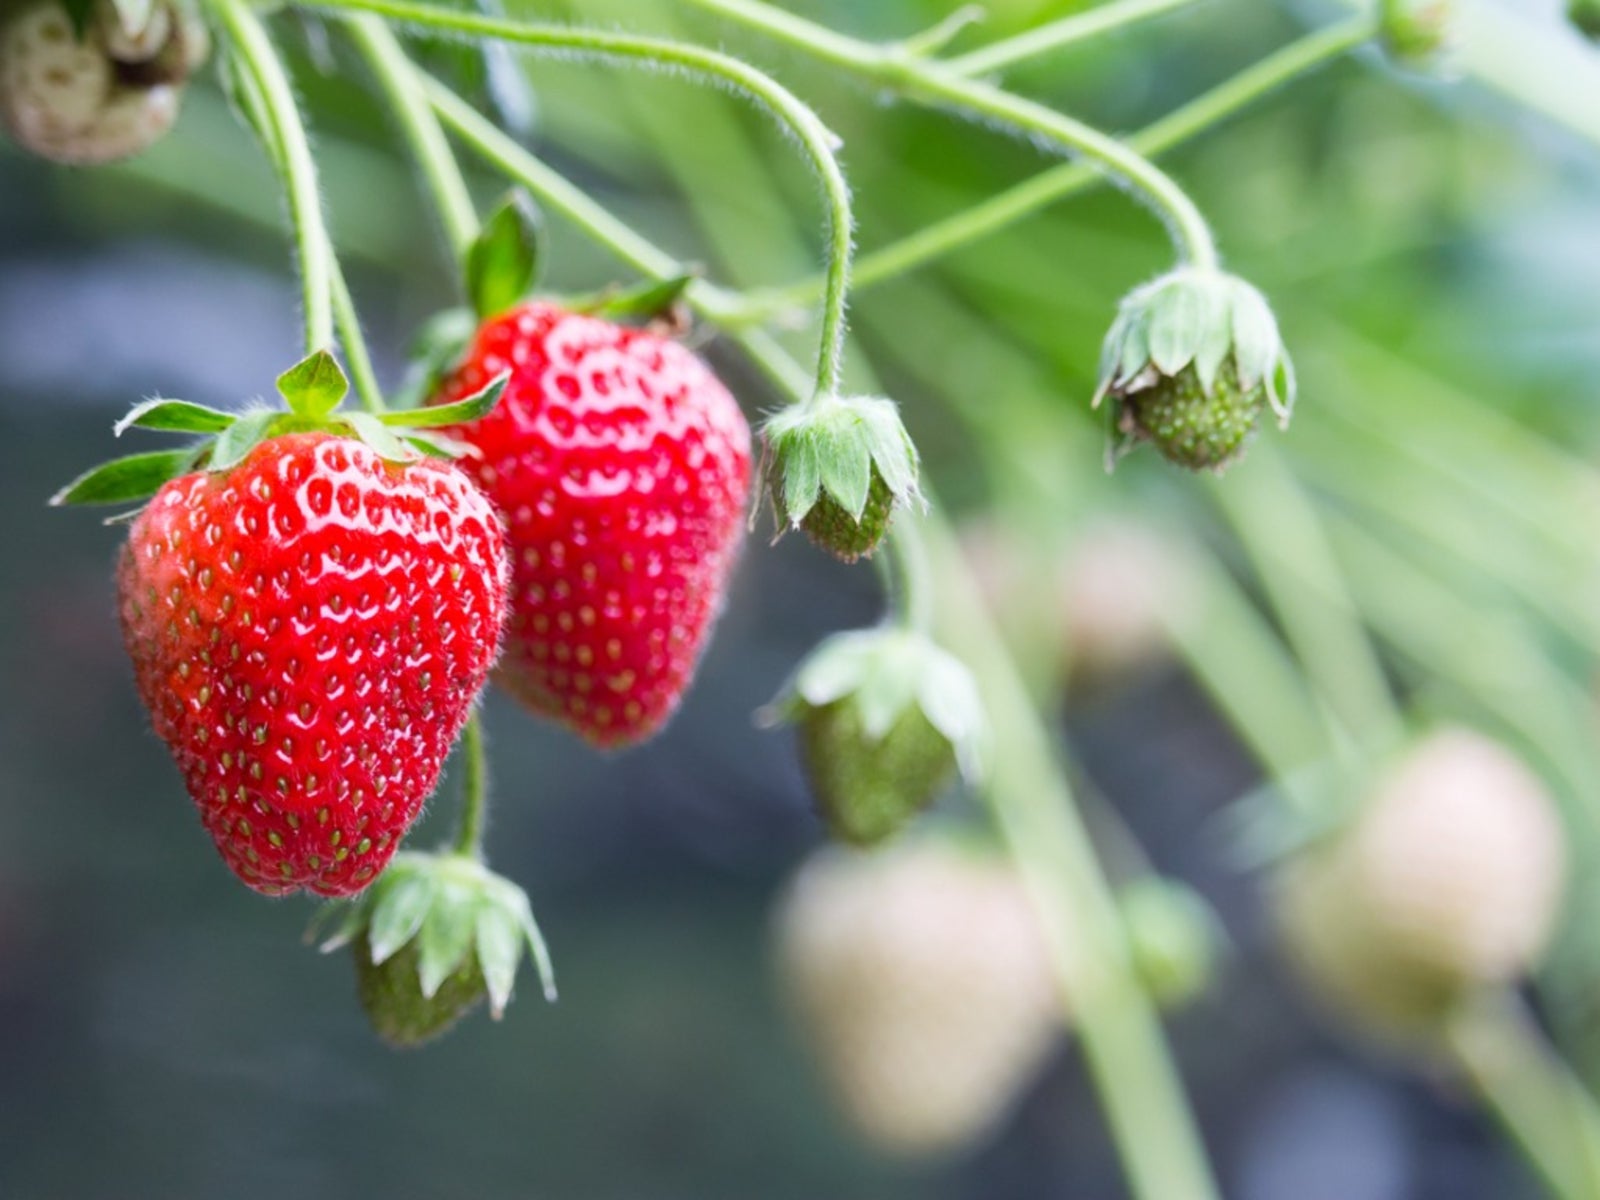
[107, 95]
[1448, 880]
[921, 976]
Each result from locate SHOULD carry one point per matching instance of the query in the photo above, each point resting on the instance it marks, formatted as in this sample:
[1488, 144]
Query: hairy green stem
[398, 77]
[1001, 211]
[355, 344]
[931, 82]
[814, 137]
[1058, 34]
[906, 574]
[253, 48]
[474, 789]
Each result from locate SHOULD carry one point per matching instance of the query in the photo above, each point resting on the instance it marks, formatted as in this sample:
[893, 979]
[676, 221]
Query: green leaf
[446, 936]
[540, 951]
[499, 945]
[801, 468]
[892, 450]
[846, 464]
[949, 697]
[1177, 322]
[437, 445]
[647, 300]
[243, 436]
[176, 415]
[375, 434]
[434, 353]
[837, 667]
[1256, 345]
[136, 477]
[480, 404]
[503, 263]
[314, 386]
[352, 920]
[399, 913]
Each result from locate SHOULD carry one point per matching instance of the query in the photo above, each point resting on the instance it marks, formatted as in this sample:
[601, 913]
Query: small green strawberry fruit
[1192, 363]
[885, 719]
[838, 468]
[432, 938]
[1174, 937]
[1447, 880]
[1419, 34]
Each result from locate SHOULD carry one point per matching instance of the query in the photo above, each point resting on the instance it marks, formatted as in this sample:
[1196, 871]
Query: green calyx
[433, 936]
[838, 468]
[886, 719]
[1418, 33]
[313, 391]
[1192, 361]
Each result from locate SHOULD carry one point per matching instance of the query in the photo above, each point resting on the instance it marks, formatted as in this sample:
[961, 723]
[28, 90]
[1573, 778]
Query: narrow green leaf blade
[480, 404]
[176, 415]
[376, 434]
[503, 263]
[314, 386]
[446, 938]
[136, 477]
[398, 915]
[499, 945]
[647, 300]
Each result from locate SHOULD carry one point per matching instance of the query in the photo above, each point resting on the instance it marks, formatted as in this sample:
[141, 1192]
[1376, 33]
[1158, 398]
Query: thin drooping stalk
[1059, 34]
[814, 137]
[474, 789]
[255, 54]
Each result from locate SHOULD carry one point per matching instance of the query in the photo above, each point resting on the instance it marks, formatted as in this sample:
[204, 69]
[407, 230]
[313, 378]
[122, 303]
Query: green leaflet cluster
[1192, 361]
[313, 390]
[886, 719]
[433, 936]
[838, 467]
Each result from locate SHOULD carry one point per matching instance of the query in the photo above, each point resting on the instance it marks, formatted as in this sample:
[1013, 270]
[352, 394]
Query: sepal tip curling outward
[313, 390]
[885, 718]
[1192, 362]
[433, 937]
[838, 468]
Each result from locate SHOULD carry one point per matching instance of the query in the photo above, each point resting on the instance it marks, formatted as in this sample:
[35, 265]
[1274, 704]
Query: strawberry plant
[314, 595]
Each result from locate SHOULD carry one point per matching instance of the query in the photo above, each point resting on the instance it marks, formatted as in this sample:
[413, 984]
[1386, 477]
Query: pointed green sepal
[502, 265]
[243, 436]
[644, 302]
[136, 477]
[176, 416]
[314, 386]
[462, 412]
[435, 351]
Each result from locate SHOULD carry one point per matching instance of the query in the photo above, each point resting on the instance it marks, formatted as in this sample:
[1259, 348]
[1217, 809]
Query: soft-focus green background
[163, 1033]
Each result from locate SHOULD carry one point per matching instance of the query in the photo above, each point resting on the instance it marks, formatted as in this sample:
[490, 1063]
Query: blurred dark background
[165, 1033]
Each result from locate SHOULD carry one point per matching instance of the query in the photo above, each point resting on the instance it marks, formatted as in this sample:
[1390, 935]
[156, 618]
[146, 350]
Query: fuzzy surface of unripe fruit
[1189, 426]
[921, 977]
[75, 101]
[866, 788]
[832, 529]
[391, 994]
[1449, 880]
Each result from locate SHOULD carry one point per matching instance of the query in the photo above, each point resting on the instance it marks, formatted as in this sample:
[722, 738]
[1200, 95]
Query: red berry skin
[309, 631]
[622, 468]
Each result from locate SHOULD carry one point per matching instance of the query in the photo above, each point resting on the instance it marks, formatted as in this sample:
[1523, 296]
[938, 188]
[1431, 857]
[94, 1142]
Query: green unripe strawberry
[867, 788]
[1191, 364]
[392, 997]
[838, 467]
[1189, 426]
[433, 937]
[885, 719]
[1418, 33]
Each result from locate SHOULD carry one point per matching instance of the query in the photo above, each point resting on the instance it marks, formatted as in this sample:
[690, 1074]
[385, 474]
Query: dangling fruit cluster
[98, 93]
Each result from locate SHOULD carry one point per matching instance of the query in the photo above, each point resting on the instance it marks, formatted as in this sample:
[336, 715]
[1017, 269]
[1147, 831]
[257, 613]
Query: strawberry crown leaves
[502, 264]
[455, 909]
[1202, 318]
[833, 447]
[883, 672]
[313, 389]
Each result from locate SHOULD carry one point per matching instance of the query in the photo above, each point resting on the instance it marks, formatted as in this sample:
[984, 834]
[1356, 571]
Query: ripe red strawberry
[622, 468]
[309, 630]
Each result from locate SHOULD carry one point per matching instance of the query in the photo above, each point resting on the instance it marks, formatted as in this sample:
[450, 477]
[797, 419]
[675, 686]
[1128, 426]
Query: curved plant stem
[1540, 1105]
[398, 76]
[1055, 35]
[355, 345]
[905, 571]
[1001, 211]
[474, 789]
[256, 55]
[932, 82]
[814, 137]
